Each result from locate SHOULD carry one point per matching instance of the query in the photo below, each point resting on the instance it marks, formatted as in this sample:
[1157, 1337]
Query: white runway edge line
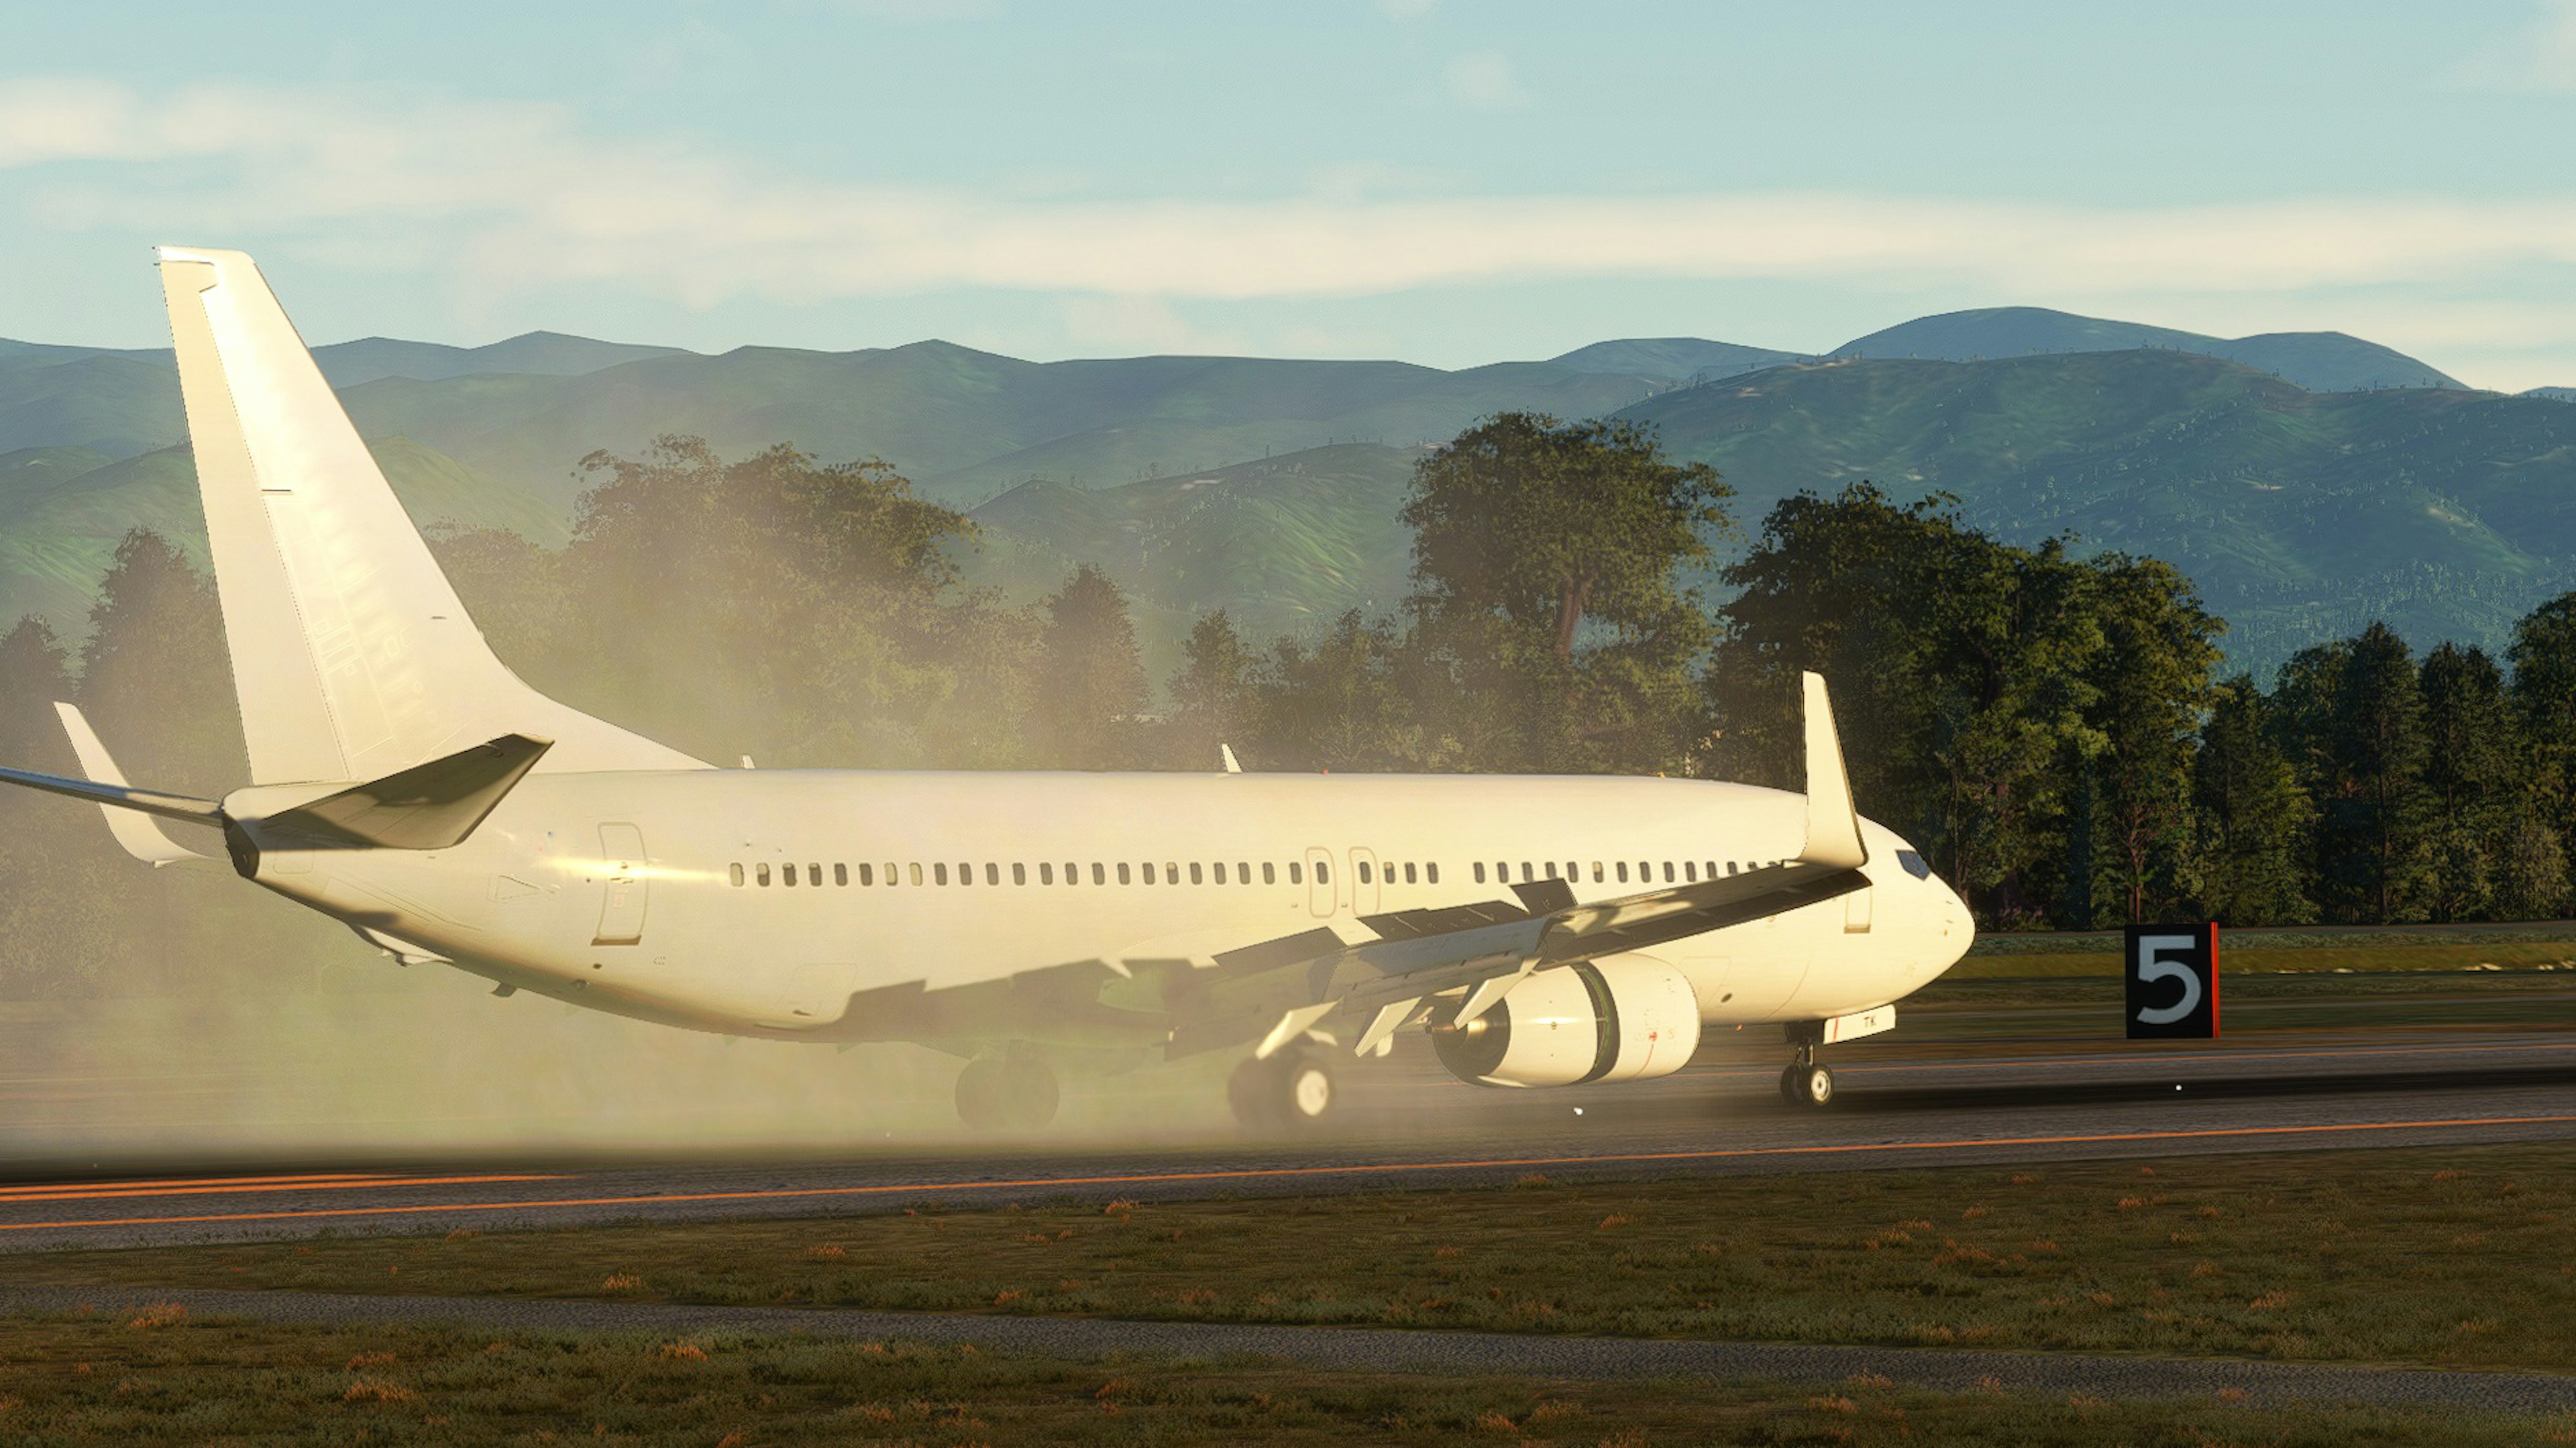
[1394, 1349]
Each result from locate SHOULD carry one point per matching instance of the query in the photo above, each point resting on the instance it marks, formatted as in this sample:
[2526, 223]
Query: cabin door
[1364, 881]
[621, 917]
[1856, 911]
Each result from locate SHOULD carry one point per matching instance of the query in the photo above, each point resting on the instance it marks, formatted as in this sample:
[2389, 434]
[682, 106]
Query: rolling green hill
[2318, 361]
[2300, 514]
[1284, 544]
[56, 542]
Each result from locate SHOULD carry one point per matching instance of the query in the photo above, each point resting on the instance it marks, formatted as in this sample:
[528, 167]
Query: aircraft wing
[1275, 991]
[1272, 992]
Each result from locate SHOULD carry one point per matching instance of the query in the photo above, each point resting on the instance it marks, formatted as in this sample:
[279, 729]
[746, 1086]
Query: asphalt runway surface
[1899, 1104]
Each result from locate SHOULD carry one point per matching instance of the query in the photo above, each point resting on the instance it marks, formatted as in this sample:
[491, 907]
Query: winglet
[1225, 757]
[139, 834]
[1833, 825]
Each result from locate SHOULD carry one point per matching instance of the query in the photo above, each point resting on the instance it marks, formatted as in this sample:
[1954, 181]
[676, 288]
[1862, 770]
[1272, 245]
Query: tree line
[2056, 732]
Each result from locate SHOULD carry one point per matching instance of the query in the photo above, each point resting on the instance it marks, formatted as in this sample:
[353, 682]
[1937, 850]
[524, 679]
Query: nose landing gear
[1807, 1081]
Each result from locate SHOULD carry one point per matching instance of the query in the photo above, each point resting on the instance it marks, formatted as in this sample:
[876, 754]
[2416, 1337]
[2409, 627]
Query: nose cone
[1958, 926]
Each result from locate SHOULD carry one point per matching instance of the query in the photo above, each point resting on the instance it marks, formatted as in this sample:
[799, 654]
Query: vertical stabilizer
[351, 654]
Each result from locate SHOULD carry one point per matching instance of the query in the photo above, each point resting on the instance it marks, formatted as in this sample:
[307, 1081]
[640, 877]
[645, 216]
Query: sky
[1442, 181]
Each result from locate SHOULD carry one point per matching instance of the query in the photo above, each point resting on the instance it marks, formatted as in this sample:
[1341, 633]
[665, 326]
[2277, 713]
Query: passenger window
[1623, 872]
[1194, 874]
[1046, 873]
[1431, 872]
[1690, 871]
[814, 874]
[1019, 873]
[940, 873]
[1711, 867]
[1596, 872]
[1099, 875]
[1668, 872]
[1364, 872]
[1243, 872]
[1269, 874]
[1480, 872]
[787, 874]
[762, 875]
[1296, 873]
[1122, 874]
[1323, 873]
[868, 875]
[840, 873]
[737, 877]
[1171, 873]
[965, 874]
[1527, 874]
[992, 873]
[1730, 867]
[1408, 874]
[1148, 868]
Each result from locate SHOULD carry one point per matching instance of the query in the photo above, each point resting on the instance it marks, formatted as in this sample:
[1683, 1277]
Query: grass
[162, 1377]
[2451, 1257]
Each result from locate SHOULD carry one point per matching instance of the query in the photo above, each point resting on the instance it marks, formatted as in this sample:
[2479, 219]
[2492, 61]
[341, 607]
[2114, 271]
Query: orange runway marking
[1275, 1173]
[219, 1187]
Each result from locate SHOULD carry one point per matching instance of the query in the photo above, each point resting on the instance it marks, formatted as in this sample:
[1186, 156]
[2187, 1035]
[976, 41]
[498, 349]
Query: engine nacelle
[1619, 1018]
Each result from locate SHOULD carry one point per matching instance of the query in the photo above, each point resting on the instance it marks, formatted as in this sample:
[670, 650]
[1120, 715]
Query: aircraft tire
[979, 1093]
[1789, 1085]
[1813, 1085]
[1289, 1092]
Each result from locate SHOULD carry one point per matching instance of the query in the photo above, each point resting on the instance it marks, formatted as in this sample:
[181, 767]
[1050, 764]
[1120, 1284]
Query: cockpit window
[1914, 864]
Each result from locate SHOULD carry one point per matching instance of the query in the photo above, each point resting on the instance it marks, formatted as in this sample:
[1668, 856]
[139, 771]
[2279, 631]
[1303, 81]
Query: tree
[1964, 671]
[1090, 689]
[1546, 567]
[155, 677]
[1213, 696]
[2373, 850]
[2151, 685]
[2475, 775]
[2253, 817]
[1337, 703]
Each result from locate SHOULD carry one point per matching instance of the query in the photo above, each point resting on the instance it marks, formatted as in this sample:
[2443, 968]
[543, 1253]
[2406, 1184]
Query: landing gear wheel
[1809, 1085]
[1290, 1090]
[1014, 1092]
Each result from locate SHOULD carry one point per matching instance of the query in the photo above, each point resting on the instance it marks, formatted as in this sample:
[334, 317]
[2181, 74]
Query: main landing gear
[1294, 1088]
[1013, 1091]
[1807, 1081]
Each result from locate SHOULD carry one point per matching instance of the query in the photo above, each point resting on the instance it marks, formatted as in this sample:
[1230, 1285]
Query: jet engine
[1619, 1018]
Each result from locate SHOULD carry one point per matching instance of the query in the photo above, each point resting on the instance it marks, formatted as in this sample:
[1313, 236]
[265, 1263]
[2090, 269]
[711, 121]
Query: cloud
[2540, 57]
[503, 196]
[1484, 80]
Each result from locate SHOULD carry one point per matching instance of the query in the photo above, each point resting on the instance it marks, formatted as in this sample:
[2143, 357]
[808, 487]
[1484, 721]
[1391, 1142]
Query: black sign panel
[2173, 982]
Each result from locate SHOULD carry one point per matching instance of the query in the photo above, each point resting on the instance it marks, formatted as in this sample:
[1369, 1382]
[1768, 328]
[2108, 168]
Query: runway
[1407, 1126]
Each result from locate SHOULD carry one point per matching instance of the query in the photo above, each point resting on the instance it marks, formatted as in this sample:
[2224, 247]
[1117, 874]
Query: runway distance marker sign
[2173, 982]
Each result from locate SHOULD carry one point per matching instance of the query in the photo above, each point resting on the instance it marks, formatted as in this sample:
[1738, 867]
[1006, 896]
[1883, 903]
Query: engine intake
[1619, 1018]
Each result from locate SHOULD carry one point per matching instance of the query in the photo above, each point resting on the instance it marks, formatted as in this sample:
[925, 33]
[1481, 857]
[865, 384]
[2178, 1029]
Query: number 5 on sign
[2173, 982]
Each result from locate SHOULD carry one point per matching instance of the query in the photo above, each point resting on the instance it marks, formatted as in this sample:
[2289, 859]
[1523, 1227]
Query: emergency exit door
[621, 916]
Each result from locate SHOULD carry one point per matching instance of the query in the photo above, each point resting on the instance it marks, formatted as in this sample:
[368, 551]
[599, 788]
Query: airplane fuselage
[761, 902]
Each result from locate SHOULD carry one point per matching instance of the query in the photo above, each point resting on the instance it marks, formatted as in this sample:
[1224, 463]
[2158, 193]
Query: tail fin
[350, 652]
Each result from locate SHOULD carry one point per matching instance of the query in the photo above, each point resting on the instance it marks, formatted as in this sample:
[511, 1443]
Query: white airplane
[1545, 931]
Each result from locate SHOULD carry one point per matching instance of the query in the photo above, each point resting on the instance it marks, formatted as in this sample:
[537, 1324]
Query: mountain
[1675, 359]
[108, 403]
[2317, 361]
[2559, 394]
[544, 353]
[2300, 515]
[966, 425]
[57, 540]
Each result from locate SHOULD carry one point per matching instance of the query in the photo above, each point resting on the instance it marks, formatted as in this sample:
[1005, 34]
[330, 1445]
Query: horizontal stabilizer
[137, 834]
[426, 807]
[152, 802]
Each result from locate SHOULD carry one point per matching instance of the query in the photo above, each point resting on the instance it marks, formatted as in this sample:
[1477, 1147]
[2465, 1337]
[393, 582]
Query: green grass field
[158, 1376]
[2450, 1258]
